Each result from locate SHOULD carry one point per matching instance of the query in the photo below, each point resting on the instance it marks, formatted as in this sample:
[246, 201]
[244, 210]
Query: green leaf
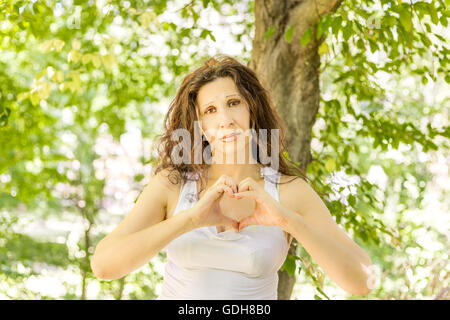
[205, 33]
[195, 15]
[4, 116]
[289, 265]
[424, 79]
[330, 165]
[165, 25]
[289, 33]
[373, 46]
[447, 78]
[185, 32]
[432, 12]
[323, 293]
[351, 200]
[322, 27]
[405, 18]
[425, 40]
[40, 74]
[323, 48]
[306, 37]
[390, 21]
[336, 25]
[269, 32]
[348, 30]
[360, 44]
[286, 155]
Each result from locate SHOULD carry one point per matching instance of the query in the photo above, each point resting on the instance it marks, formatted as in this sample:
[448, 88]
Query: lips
[230, 135]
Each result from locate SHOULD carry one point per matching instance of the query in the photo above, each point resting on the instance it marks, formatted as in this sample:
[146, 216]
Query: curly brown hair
[182, 114]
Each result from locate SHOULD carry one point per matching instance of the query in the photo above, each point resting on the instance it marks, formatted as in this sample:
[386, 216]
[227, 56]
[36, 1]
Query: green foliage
[362, 118]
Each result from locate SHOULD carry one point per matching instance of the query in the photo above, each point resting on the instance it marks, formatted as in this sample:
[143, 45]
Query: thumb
[246, 222]
[231, 223]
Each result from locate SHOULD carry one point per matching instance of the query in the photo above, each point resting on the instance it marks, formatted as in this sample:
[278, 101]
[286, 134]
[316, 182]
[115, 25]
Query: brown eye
[206, 112]
[237, 102]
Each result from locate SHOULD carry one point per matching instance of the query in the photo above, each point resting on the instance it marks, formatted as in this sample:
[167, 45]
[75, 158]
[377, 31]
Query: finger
[235, 186]
[246, 195]
[226, 188]
[218, 190]
[242, 186]
[246, 185]
[229, 181]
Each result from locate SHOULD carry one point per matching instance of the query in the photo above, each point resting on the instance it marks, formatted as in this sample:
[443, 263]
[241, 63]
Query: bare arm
[310, 222]
[118, 256]
[342, 263]
[142, 234]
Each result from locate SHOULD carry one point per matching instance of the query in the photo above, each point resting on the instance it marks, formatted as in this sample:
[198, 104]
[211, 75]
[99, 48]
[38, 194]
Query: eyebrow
[230, 95]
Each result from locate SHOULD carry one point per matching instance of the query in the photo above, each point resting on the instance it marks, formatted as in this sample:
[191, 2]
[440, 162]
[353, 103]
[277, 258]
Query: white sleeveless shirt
[204, 264]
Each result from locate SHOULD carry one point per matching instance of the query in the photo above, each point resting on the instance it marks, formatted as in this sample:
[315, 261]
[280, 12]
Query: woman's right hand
[206, 211]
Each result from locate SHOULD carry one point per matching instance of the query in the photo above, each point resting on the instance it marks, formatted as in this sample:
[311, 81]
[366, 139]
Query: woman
[225, 217]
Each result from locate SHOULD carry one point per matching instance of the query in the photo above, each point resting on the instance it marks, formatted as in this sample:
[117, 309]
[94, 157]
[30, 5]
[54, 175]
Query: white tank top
[204, 264]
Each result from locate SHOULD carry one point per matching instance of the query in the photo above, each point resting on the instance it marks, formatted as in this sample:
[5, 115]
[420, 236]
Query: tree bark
[290, 72]
[84, 271]
[119, 293]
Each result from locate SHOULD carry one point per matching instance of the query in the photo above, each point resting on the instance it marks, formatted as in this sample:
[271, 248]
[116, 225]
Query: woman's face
[223, 111]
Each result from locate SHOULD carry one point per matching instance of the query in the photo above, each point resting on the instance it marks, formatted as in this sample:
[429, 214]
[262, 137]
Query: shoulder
[293, 183]
[168, 180]
[295, 191]
[168, 187]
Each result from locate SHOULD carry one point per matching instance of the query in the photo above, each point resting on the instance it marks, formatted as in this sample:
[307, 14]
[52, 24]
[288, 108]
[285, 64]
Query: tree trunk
[290, 72]
[119, 293]
[84, 271]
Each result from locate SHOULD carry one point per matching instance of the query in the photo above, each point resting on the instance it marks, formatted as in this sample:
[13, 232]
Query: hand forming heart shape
[247, 203]
[236, 209]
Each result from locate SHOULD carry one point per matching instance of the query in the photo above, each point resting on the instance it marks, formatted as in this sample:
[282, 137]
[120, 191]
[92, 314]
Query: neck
[233, 166]
[237, 171]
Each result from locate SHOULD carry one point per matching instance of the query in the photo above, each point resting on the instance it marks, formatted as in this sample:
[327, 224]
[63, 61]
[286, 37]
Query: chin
[229, 158]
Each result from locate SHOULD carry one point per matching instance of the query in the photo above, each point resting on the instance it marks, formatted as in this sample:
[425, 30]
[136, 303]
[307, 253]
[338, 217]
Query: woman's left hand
[268, 211]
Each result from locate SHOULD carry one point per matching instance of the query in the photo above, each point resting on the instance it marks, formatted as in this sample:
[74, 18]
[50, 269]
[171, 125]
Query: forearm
[345, 265]
[118, 256]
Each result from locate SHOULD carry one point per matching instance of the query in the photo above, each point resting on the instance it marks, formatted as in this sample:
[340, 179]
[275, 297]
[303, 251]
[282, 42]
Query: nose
[225, 118]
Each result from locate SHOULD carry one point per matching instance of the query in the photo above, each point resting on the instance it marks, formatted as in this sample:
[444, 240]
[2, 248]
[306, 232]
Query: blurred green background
[84, 87]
